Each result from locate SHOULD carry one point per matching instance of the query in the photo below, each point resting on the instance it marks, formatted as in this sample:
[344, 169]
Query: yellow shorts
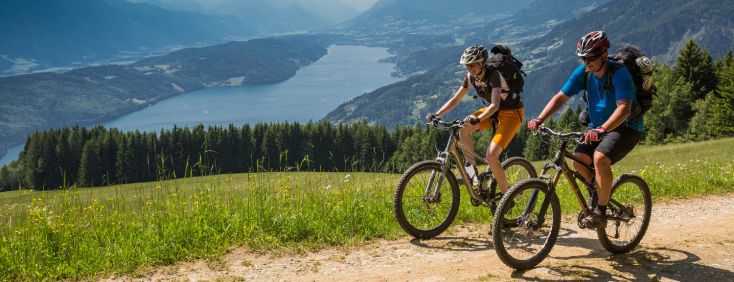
[509, 122]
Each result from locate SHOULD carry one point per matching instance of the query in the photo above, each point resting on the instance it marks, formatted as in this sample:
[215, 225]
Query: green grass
[93, 232]
[673, 171]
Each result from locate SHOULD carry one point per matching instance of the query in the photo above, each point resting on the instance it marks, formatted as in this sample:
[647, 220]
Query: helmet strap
[603, 66]
[481, 73]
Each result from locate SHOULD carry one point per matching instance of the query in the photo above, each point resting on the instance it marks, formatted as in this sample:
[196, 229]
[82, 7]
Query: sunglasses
[590, 58]
[472, 65]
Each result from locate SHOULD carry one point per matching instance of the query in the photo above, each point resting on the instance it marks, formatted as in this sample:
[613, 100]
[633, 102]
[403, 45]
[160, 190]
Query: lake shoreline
[337, 66]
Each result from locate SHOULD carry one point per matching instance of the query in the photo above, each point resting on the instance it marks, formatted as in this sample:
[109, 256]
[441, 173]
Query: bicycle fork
[432, 192]
[530, 206]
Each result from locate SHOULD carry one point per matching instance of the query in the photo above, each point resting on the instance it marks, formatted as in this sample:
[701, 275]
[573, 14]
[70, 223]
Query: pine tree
[89, 168]
[673, 108]
[535, 149]
[715, 115]
[567, 121]
[695, 66]
[246, 147]
[123, 162]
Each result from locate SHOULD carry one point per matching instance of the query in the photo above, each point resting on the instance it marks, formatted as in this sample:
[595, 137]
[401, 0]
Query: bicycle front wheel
[628, 214]
[526, 240]
[426, 200]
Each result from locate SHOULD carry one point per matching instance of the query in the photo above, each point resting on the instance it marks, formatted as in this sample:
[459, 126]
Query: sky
[359, 5]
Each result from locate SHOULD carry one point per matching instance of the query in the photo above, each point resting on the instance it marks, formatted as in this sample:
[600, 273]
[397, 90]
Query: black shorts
[615, 145]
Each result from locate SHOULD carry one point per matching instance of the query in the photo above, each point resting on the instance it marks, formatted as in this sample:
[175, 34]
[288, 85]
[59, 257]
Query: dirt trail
[688, 240]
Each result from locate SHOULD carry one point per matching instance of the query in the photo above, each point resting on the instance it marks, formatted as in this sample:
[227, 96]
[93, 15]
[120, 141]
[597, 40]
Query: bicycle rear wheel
[628, 214]
[421, 212]
[516, 169]
[526, 241]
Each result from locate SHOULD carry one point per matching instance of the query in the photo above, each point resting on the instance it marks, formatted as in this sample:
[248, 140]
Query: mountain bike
[533, 203]
[427, 197]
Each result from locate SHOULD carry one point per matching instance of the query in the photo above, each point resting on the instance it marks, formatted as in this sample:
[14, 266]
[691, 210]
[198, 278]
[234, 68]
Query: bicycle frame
[558, 162]
[561, 166]
[452, 149]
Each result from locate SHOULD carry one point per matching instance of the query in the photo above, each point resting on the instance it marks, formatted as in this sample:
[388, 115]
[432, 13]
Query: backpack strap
[612, 68]
[473, 83]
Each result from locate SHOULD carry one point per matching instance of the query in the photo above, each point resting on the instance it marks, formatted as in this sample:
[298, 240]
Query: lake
[345, 72]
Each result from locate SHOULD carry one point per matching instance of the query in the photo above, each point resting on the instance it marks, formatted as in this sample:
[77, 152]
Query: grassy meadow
[96, 232]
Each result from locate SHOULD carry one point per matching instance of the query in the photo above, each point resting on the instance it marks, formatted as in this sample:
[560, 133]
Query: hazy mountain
[551, 12]
[392, 15]
[409, 26]
[270, 16]
[41, 33]
[658, 27]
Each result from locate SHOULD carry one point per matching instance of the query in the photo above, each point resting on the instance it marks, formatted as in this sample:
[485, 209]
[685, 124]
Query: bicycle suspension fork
[432, 192]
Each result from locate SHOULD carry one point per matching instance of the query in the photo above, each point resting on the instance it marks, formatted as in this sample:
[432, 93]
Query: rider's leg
[615, 145]
[467, 140]
[493, 159]
[603, 168]
[508, 124]
[586, 159]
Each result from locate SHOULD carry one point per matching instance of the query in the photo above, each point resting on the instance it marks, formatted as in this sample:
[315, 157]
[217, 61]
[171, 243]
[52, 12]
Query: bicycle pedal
[476, 202]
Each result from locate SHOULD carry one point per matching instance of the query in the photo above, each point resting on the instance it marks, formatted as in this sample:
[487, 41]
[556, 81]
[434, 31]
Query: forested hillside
[95, 94]
[91, 157]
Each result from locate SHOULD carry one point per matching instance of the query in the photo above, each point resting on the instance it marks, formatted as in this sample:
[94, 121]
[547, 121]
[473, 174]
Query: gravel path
[688, 240]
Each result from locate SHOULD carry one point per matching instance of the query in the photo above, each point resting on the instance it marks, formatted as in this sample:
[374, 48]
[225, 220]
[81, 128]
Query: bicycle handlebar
[447, 124]
[560, 135]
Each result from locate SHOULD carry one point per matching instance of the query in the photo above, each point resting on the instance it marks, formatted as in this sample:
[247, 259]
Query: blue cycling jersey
[602, 100]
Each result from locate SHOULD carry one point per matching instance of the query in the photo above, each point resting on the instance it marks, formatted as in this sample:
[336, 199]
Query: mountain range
[269, 16]
[659, 28]
[41, 34]
[544, 39]
[427, 38]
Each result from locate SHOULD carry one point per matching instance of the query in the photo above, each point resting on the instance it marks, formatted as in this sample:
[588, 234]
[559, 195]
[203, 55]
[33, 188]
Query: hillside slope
[546, 46]
[94, 94]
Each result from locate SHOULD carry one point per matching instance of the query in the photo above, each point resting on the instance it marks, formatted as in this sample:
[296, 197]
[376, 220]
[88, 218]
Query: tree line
[695, 101]
[84, 157]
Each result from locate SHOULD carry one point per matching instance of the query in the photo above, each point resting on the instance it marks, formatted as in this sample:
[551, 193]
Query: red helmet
[593, 43]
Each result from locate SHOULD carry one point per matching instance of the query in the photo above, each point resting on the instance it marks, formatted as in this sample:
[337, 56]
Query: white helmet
[474, 54]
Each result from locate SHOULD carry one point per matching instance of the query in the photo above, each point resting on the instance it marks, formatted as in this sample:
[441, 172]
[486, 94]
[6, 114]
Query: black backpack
[509, 66]
[503, 61]
[626, 56]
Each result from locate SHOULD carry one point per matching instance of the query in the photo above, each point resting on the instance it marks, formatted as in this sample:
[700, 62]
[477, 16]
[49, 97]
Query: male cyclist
[610, 136]
[491, 86]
